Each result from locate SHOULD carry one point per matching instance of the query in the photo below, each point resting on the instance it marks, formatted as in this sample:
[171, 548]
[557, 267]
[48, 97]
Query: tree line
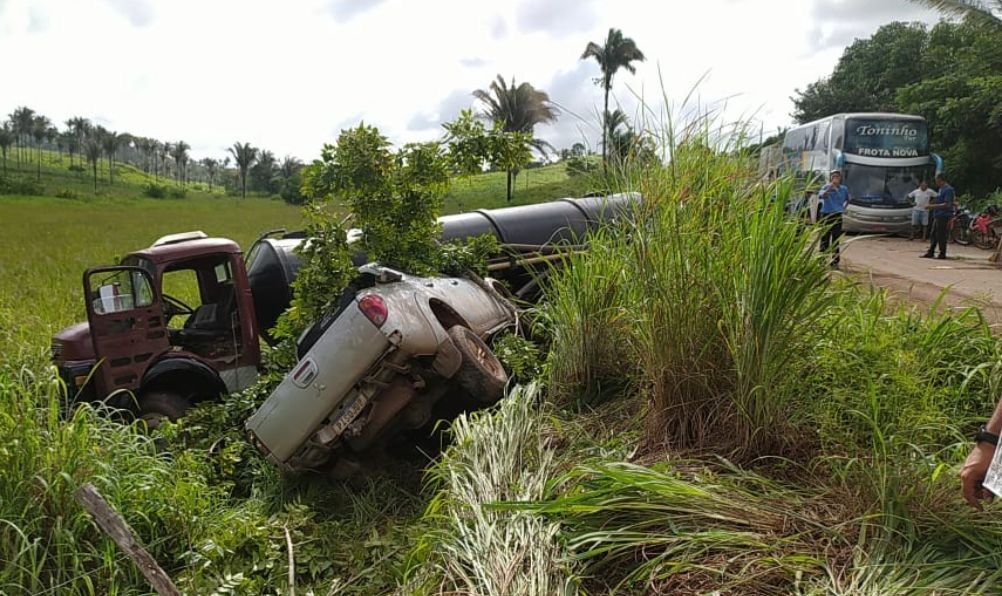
[26, 133]
[951, 74]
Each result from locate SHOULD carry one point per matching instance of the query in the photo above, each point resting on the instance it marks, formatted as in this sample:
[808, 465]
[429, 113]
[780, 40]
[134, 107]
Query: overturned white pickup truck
[379, 364]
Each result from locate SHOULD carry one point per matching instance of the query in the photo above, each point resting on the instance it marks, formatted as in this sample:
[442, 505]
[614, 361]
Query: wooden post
[114, 526]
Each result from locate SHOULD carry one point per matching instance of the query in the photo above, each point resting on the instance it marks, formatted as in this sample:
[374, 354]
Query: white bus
[882, 157]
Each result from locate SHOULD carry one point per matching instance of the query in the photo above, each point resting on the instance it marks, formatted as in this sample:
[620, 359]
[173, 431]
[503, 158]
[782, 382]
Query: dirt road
[894, 263]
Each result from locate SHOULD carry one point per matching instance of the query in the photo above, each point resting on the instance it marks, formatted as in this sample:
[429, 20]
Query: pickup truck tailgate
[318, 384]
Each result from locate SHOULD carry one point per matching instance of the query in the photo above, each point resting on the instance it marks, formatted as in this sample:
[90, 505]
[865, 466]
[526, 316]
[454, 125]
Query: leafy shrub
[177, 192]
[155, 191]
[578, 165]
[77, 168]
[20, 186]
[67, 194]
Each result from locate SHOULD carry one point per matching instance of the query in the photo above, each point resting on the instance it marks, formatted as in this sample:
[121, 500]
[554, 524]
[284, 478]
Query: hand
[972, 474]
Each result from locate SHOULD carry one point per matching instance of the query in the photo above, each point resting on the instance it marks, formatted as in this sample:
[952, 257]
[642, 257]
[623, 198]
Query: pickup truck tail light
[374, 309]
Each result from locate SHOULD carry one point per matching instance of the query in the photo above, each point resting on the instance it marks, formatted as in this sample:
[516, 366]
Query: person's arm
[972, 473]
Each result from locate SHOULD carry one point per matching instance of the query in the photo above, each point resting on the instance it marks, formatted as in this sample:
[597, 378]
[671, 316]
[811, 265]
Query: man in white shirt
[920, 198]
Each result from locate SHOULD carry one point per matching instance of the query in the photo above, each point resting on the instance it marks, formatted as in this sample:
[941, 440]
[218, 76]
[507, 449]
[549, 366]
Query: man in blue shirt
[942, 211]
[834, 197]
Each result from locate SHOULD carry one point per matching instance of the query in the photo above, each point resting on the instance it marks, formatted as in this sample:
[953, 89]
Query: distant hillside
[487, 191]
[54, 177]
[484, 191]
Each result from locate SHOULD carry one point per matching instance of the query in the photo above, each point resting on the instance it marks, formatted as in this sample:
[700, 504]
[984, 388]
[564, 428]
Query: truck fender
[193, 379]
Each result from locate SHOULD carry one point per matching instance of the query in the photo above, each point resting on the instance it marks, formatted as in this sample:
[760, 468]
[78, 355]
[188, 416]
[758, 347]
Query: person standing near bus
[942, 211]
[920, 198]
[834, 197]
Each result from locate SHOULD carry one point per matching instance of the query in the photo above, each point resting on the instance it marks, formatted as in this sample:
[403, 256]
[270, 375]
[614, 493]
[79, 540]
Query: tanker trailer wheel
[158, 406]
[481, 374]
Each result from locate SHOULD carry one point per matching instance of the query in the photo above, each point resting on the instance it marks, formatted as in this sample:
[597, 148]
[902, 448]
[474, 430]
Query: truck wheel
[157, 406]
[481, 374]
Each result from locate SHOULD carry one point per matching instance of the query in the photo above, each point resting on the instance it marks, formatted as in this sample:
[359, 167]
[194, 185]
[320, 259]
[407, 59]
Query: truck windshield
[883, 187]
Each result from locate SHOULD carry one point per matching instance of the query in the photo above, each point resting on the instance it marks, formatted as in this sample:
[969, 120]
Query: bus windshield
[886, 137]
[881, 186]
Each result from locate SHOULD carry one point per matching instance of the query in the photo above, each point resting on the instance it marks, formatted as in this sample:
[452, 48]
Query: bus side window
[838, 133]
[822, 144]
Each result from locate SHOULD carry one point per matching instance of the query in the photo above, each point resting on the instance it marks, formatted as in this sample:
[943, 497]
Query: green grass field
[46, 242]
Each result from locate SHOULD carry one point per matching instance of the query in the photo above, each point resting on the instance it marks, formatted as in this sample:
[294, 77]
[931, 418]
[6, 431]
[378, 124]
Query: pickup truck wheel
[155, 407]
[481, 374]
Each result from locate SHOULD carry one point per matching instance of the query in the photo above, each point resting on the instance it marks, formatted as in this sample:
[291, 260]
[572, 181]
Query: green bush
[579, 165]
[20, 186]
[76, 168]
[177, 192]
[155, 191]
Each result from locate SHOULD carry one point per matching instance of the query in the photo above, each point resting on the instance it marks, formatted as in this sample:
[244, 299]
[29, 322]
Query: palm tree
[162, 151]
[179, 151]
[54, 138]
[618, 52]
[6, 140]
[71, 143]
[519, 108]
[110, 140]
[39, 129]
[79, 127]
[620, 141]
[289, 166]
[23, 120]
[244, 155]
[988, 11]
[92, 150]
[211, 167]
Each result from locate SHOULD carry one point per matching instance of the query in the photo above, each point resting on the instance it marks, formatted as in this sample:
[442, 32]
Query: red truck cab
[170, 326]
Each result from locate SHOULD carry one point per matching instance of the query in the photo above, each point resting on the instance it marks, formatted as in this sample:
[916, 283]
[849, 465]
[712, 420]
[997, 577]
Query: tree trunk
[243, 183]
[605, 128]
[110, 164]
[38, 174]
[95, 176]
[509, 186]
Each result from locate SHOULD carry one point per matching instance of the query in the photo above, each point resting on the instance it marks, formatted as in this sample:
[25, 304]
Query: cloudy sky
[289, 75]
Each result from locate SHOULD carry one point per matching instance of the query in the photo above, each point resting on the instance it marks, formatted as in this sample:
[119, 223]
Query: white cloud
[288, 76]
[138, 12]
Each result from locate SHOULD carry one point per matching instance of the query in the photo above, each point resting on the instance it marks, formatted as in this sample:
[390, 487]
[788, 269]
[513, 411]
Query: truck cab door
[127, 325]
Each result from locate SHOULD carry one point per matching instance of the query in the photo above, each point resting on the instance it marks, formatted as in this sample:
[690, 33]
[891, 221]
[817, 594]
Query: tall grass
[472, 547]
[705, 301]
[729, 325]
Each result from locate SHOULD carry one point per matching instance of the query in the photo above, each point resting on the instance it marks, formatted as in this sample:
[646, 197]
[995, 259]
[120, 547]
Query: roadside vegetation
[701, 406]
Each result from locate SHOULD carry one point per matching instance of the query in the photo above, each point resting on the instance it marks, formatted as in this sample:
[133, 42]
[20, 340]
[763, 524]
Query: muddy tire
[481, 374]
[157, 406]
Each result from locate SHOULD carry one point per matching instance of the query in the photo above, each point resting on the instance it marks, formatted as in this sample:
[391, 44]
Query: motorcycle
[983, 231]
[960, 226]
